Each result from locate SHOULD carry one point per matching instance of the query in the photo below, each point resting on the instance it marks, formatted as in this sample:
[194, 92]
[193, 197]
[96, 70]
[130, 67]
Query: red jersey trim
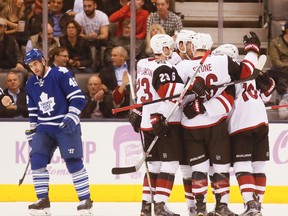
[248, 128]
[205, 126]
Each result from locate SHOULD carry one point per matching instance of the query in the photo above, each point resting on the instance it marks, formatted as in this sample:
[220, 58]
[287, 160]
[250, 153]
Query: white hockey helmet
[202, 41]
[227, 49]
[184, 36]
[159, 41]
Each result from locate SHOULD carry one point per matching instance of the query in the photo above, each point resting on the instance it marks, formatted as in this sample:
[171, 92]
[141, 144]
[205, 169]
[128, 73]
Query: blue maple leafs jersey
[50, 98]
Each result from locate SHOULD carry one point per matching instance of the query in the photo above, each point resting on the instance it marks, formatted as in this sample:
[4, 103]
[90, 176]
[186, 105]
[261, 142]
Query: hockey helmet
[159, 41]
[202, 41]
[184, 36]
[227, 49]
[32, 55]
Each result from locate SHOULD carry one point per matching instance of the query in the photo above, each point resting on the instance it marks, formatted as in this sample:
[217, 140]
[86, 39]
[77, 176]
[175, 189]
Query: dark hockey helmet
[32, 55]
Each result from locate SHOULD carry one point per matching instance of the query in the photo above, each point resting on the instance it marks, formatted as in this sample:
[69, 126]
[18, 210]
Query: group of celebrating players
[212, 129]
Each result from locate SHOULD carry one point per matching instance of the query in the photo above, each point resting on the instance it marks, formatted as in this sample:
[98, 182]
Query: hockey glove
[251, 43]
[198, 88]
[135, 118]
[194, 108]
[265, 84]
[69, 122]
[159, 125]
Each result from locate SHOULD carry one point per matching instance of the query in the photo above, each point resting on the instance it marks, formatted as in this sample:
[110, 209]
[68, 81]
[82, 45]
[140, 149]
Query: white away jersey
[249, 110]
[157, 79]
[216, 70]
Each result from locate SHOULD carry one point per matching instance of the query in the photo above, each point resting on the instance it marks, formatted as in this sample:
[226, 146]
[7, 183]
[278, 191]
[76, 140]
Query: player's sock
[41, 182]
[81, 184]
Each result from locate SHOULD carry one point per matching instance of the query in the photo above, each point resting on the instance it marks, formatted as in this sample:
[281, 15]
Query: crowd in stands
[93, 36]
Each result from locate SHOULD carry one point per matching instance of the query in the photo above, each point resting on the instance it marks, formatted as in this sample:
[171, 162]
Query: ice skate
[40, 208]
[162, 210]
[252, 209]
[85, 207]
[201, 209]
[192, 211]
[146, 209]
[223, 210]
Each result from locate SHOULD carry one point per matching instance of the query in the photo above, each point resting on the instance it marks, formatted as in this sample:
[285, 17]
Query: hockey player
[206, 137]
[249, 134]
[184, 51]
[54, 103]
[156, 78]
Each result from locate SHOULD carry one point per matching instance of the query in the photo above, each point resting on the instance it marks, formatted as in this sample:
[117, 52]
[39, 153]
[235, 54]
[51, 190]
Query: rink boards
[110, 144]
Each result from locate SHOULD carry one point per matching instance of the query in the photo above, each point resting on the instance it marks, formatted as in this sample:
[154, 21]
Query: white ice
[124, 209]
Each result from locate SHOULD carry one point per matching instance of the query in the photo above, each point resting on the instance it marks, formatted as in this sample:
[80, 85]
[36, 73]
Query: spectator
[278, 51]
[141, 18]
[56, 18]
[115, 77]
[94, 22]
[10, 55]
[154, 29]
[16, 21]
[80, 56]
[95, 28]
[167, 19]
[150, 5]
[124, 41]
[35, 41]
[58, 57]
[99, 100]
[17, 108]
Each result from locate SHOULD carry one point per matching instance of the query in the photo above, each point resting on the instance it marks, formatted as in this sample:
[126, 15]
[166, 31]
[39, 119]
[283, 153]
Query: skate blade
[42, 212]
[85, 212]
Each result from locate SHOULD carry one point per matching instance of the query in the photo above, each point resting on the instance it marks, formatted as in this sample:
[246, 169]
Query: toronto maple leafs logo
[46, 104]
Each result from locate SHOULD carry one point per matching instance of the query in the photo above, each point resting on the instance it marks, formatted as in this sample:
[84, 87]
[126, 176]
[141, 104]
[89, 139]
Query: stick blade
[123, 170]
[261, 62]
[131, 169]
[20, 181]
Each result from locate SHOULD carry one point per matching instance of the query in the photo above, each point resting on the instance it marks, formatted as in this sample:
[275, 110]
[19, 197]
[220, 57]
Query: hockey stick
[24, 174]
[123, 170]
[257, 70]
[133, 96]
[276, 107]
